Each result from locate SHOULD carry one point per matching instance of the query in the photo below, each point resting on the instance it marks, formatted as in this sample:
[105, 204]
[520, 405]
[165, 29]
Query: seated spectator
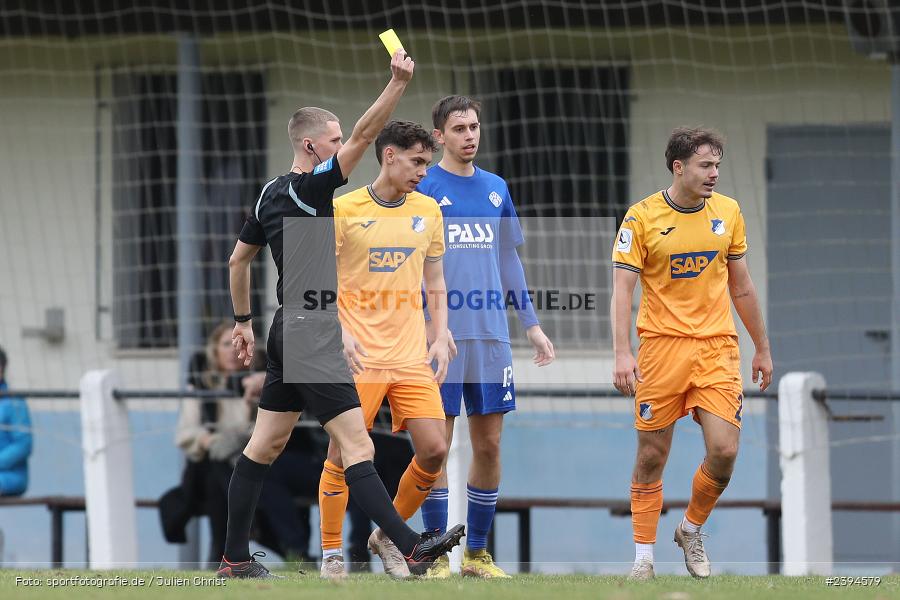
[15, 442]
[15, 439]
[212, 434]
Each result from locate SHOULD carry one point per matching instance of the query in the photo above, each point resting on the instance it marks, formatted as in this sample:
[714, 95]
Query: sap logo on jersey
[387, 260]
[690, 264]
[475, 232]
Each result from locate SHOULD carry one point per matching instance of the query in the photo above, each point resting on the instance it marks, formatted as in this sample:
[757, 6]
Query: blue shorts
[482, 373]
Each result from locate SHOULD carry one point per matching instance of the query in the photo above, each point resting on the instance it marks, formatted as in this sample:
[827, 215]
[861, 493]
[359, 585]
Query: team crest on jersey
[387, 260]
[418, 224]
[718, 226]
[495, 199]
[646, 411]
[690, 264]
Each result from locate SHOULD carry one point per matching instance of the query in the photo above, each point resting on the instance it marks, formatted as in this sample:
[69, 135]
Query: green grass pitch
[378, 587]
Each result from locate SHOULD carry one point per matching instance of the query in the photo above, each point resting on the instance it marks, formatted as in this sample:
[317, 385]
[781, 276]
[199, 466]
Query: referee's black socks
[243, 494]
[369, 493]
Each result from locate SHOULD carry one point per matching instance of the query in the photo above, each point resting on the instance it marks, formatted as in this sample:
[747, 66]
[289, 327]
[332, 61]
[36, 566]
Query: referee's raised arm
[372, 122]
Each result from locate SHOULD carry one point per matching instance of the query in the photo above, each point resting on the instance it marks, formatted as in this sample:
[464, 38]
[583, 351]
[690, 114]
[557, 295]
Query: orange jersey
[682, 256]
[381, 252]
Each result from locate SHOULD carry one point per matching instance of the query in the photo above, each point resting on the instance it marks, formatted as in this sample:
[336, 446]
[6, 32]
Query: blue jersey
[480, 222]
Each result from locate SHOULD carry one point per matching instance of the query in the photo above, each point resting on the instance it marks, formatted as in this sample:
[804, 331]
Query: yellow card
[391, 41]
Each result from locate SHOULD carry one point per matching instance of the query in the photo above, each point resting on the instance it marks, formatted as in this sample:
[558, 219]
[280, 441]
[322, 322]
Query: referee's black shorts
[307, 351]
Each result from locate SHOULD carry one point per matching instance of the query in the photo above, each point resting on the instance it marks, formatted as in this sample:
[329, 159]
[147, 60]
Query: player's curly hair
[449, 105]
[684, 142]
[403, 135]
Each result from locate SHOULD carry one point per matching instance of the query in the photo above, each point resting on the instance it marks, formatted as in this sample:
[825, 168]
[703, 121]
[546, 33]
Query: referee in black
[321, 165]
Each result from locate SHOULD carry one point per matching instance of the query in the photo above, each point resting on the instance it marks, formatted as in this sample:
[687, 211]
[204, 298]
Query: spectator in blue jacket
[15, 440]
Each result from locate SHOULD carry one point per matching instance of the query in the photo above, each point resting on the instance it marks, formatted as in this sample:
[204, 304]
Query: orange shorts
[412, 393]
[681, 374]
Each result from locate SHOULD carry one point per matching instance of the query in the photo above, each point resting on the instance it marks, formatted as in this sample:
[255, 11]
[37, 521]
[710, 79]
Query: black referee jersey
[306, 370]
[294, 215]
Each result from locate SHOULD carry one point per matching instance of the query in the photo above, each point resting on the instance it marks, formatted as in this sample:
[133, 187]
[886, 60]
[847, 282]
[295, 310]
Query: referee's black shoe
[431, 547]
[245, 569]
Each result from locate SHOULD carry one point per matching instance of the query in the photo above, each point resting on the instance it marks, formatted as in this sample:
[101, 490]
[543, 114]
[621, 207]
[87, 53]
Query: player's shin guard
[434, 510]
[480, 514]
[333, 496]
[705, 492]
[414, 486]
[646, 505]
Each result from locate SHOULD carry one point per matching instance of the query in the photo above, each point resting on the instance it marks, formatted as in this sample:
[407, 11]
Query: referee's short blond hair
[308, 121]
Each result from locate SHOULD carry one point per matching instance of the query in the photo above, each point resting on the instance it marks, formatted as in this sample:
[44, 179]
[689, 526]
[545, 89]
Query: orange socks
[646, 504]
[334, 493]
[413, 489]
[705, 492]
[333, 496]
[647, 501]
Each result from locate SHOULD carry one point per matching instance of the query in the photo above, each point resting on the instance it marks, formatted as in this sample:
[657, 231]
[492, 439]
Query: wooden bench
[58, 506]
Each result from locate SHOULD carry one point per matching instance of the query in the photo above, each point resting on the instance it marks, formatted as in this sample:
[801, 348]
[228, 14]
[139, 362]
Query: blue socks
[434, 510]
[481, 508]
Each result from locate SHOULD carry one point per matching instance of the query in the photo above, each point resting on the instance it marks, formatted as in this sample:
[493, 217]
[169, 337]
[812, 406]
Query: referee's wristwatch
[243, 318]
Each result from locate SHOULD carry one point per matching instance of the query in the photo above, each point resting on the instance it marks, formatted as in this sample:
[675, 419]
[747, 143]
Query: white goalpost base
[458, 460]
[108, 474]
[806, 529]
